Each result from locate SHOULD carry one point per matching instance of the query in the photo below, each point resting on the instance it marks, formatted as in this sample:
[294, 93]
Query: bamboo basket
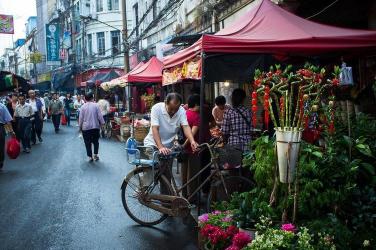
[140, 133]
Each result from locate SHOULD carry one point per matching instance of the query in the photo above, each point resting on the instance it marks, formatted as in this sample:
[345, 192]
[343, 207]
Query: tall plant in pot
[291, 99]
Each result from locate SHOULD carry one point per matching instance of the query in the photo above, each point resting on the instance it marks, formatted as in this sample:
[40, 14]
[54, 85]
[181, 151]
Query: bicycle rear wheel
[133, 191]
[233, 184]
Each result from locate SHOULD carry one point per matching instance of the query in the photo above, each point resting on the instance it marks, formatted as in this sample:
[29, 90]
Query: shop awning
[62, 78]
[119, 81]
[267, 28]
[150, 72]
[102, 77]
[10, 81]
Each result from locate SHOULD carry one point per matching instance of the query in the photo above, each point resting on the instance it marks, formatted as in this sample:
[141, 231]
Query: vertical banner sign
[52, 44]
[6, 24]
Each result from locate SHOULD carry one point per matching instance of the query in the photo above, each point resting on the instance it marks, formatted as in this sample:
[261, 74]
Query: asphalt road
[54, 199]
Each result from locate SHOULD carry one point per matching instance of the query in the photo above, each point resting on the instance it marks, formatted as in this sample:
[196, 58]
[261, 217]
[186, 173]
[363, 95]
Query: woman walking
[68, 106]
[90, 122]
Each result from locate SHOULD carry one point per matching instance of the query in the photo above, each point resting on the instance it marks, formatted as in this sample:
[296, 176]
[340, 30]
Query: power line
[327, 7]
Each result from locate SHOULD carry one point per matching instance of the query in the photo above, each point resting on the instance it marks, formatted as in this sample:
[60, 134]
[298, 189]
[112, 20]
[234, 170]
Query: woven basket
[140, 133]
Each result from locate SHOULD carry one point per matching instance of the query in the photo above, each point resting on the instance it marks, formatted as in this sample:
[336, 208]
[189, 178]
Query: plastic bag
[13, 148]
[63, 120]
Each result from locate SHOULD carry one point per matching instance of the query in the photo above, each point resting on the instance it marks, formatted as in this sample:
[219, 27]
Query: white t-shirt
[33, 104]
[78, 104]
[104, 106]
[168, 126]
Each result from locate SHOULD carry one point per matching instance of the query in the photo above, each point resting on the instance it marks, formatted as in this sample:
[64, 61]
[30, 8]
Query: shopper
[191, 164]
[24, 114]
[68, 106]
[90, 121]
[12, 104]
[37, 122]
[236, 127]
[55, 109]
[5, 125]
[220, 108]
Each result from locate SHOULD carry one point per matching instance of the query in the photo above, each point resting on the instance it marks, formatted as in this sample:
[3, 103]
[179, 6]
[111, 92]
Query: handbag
[13, 148]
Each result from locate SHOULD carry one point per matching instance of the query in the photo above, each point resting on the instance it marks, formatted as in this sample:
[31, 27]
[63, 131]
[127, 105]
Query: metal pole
[125, 35]
[202, 98]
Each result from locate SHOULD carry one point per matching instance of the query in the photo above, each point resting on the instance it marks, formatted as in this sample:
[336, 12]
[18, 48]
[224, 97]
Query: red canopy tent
[150, 72]
[267, 28]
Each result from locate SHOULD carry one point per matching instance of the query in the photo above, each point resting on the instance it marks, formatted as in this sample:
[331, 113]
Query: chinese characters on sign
[6, 24]
[53, 44]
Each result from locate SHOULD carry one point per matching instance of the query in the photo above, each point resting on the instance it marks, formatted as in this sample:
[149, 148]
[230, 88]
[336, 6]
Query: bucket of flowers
[217, 231]
[291, 99]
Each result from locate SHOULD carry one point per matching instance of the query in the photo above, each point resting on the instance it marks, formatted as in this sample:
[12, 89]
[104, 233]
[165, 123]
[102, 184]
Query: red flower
[233, 248]
[335, 81]
[231, 231]
[241, 239]
[288, 227]
[258, 82]
[278, 72]
[254, 94]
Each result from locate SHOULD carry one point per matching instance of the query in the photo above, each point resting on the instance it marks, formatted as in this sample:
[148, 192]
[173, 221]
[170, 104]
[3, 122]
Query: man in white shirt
[166, 120]
[24, 114]
[37, 122]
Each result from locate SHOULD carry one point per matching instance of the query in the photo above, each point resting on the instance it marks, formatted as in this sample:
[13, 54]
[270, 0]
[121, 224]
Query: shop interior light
[226, 84]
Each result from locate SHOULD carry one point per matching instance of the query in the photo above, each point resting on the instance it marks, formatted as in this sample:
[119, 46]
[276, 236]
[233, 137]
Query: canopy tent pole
[202, 97]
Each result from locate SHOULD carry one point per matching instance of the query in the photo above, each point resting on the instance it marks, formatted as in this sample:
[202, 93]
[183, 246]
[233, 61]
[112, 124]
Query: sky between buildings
[21, 11]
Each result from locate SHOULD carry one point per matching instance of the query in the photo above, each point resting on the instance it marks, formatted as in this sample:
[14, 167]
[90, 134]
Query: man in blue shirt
[5, 123]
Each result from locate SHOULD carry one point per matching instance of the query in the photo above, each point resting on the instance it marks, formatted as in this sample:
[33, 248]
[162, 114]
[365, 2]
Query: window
[113, 5]
[99, 5]
[100, 44]
[115, 42]
[90, 44]
[135, 10]
[79, 49]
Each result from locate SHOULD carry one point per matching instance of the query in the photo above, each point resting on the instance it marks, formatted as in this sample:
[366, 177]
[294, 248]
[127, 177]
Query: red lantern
[254, 94]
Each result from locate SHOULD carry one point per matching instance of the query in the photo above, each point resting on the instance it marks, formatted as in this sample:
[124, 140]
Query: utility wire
[327, 7]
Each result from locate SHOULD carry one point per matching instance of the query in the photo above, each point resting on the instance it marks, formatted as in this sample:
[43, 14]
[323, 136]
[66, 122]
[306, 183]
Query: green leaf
[317, 154]
[364, 149]
[368, 167]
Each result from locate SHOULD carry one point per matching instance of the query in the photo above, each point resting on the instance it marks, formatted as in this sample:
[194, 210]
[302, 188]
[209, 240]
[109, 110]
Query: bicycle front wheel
[137, 184]
[233, 184]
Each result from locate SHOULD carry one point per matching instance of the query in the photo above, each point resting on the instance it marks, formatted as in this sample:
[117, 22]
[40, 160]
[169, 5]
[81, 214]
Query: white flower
[366, 243]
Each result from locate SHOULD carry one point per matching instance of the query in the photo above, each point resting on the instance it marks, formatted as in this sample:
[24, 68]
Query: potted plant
[290, 99]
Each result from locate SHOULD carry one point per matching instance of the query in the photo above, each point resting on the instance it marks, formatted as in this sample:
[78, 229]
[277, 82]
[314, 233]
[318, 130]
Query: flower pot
[288, 144]
[249, 231]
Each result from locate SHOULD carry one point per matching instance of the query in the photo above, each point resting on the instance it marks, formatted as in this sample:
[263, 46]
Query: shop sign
[53, 44]
[6, 24]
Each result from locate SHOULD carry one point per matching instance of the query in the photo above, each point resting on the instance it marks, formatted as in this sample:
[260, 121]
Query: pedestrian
[37, 122]
[90, 121]
[68, 106]
[78, 104]
[61, 97]
[55, 109]
[44, 108]
[46, 99]
[24, 114]
[11, 108]
[104, 106]
[5, 125]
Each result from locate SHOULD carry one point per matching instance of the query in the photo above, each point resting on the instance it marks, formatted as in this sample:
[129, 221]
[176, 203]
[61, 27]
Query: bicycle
[144, 183]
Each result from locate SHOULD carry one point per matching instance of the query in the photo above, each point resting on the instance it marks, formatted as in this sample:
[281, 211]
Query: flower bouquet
[291, 100]
[218, 232]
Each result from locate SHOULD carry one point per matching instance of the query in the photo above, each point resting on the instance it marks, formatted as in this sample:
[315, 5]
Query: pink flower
[288, 227]
[232, 247]
[227, 219]
[241, 239]
[216, 212]
[203, 218]
[231, 231]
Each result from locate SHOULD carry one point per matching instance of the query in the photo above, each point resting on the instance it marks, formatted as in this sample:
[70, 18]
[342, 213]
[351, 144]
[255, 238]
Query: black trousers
[24, 131]
[2, 144]
[36, 127]
[91, 136]
[56, 121]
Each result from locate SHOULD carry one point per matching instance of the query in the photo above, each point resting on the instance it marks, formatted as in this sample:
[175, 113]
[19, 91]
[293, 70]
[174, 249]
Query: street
[54, 199]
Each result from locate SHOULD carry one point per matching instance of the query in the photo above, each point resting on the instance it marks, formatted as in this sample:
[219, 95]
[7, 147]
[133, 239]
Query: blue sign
[52, 44]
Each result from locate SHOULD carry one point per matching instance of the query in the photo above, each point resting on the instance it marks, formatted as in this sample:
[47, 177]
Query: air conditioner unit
[85, 8]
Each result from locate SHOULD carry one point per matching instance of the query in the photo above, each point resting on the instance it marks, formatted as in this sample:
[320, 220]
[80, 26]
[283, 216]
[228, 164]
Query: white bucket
[288, 144]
